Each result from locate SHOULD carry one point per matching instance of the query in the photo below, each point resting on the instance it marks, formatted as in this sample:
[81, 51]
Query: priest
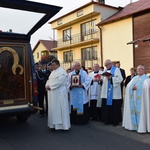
[78, 84]
[58, 111]
[136, 114]
[111, 94]
[95, 93]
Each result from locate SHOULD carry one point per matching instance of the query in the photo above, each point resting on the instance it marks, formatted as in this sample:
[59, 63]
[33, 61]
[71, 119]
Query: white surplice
[117, 79]
[144, 123]
[58, 111]
[95, 89]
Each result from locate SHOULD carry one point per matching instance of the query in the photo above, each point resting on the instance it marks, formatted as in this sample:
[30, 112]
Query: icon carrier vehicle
[18, 90]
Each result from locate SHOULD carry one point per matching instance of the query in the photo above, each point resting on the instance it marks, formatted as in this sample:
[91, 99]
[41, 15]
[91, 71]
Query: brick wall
[141, 28]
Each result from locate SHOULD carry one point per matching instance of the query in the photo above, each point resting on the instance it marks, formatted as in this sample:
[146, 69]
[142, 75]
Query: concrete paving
[35, 135]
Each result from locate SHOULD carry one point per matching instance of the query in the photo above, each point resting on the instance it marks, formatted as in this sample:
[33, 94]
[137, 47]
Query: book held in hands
[106, 74]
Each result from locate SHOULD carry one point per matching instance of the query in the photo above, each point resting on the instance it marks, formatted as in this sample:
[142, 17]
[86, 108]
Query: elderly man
[136, 114]
[111, 94]
[58, 111]
[95, 93]
[79, 83]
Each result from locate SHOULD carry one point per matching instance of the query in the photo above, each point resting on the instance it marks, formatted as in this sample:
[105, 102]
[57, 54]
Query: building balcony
[87, 37]
[86, 63]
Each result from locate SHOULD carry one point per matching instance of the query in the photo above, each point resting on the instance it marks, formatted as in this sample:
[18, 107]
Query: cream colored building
[78, 37]
[115, 37]
[43, 48]
[128, 24]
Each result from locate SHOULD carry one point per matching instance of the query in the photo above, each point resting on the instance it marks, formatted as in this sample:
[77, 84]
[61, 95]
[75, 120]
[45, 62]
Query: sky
[45, 31]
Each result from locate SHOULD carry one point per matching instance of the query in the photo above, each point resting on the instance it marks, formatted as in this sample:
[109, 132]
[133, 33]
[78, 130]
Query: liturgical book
[106, 74]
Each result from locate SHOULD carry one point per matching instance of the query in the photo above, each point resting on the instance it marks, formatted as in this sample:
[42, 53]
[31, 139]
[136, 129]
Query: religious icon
[75, 80]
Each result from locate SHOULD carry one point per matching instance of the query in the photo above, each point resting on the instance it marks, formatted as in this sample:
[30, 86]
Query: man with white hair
[79, 83]
[111, 94]
[136, 114]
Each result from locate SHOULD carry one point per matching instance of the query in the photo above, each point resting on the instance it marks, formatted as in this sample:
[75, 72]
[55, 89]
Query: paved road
[34, 135]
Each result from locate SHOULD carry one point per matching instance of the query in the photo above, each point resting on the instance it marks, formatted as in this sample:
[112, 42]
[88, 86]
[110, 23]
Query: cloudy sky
[45, 31]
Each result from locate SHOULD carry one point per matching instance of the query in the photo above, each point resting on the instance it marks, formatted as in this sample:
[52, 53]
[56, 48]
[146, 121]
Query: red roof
[47, 44]
[128, 10]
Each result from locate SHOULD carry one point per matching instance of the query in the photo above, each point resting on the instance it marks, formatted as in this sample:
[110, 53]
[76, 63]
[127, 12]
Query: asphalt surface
[35, 135]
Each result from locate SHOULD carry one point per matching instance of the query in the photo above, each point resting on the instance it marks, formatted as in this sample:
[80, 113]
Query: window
[101, 1]
[53, 54]
[43, 53]
[88, 27]
[89, 53]
[59, 22]
[67, 35]
[80, 13]
[38, 55]
[68, 56]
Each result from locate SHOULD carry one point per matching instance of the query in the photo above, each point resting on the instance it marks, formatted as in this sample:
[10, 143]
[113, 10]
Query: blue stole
[76, 95]
[135, 107]
[110, 88]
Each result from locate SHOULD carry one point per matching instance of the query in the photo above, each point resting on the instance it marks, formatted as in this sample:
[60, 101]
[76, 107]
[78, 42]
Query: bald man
[136, 116]
[78, 94]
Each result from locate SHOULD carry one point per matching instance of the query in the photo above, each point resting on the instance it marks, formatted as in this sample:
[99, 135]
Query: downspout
[133, 44]
[101, 46]
[91, 38]
[70, 46]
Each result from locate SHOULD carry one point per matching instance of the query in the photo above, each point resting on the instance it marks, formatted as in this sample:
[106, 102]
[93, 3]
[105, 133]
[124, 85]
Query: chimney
[100, 1]
[10, 30]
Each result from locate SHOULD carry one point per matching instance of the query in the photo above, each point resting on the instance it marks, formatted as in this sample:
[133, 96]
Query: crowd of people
[77, 95]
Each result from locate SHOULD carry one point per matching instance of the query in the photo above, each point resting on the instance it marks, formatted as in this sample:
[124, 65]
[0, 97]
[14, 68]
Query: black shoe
[52, 129]
[107, 123]
[115, 124]
[57, 131]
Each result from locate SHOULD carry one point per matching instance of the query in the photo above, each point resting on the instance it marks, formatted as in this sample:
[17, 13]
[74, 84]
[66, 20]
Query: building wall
[39, 50]
[77, 49]
[77, 56]
[115, 37]
[92, 12]
[106, 12]
[76, 26]
[141, 29]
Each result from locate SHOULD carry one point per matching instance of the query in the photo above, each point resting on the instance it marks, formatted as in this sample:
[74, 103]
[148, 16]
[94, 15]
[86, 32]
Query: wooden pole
[35, 107]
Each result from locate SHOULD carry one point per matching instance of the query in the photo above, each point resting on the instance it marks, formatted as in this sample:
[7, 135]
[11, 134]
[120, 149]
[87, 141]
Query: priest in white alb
[136, 115]
[95, 93]
[111, 94]
[58, 111]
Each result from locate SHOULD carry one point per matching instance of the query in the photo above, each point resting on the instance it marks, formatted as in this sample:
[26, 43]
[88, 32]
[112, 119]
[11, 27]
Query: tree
[47, 58]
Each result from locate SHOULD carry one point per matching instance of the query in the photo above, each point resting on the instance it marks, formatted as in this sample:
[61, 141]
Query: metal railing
[86, 63]
[77, 38]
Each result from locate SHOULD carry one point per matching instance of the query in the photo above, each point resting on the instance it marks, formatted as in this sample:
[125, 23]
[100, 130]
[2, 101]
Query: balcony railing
[86, 63]
[77, 38]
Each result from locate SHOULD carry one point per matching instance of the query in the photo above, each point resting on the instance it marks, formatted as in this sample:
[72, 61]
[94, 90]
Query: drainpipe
[101, 46]
[70, 46]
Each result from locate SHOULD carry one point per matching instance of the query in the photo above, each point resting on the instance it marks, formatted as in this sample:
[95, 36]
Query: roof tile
[128, 10]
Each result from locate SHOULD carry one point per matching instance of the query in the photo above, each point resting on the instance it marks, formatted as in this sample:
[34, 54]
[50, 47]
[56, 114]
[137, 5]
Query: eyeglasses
[107, 64]
[140, 69]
